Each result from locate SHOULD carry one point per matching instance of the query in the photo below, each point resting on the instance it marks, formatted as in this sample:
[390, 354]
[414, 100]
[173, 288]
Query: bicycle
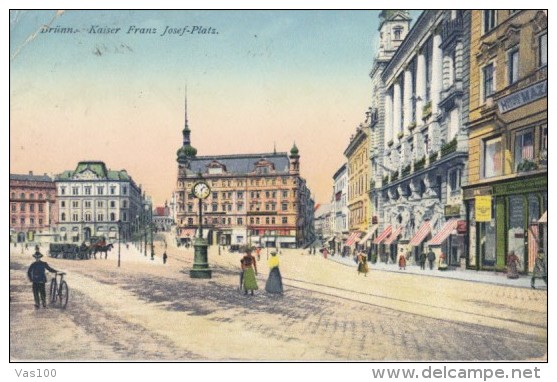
[59, 292]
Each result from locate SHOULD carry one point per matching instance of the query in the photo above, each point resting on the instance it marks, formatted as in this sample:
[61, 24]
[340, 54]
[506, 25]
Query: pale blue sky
[278, 76]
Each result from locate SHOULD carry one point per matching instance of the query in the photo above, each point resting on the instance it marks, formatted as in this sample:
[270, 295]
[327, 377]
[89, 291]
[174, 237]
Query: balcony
[452, 31]
[449, 95]
[448, 148]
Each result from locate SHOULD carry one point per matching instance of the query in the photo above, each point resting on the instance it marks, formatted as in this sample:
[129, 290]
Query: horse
[100, 249]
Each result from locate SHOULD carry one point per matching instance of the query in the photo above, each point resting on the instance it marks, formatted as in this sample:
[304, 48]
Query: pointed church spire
[275, 148]
[187, 151]
[186, 127]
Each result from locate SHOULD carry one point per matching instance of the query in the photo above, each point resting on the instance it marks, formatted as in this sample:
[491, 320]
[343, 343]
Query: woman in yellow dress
[274, 282]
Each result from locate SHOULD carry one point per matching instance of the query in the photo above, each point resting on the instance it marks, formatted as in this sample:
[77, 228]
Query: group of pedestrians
[248, 282]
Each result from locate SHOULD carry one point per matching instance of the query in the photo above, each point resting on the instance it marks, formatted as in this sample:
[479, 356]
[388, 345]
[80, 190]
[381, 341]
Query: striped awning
[352, 238]
[424, 230]
[393, 236]
[444, 233]
[369, 233]
[543, 219]
[383, 235]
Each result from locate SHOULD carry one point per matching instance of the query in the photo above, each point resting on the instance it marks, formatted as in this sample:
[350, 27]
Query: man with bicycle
[37, 276]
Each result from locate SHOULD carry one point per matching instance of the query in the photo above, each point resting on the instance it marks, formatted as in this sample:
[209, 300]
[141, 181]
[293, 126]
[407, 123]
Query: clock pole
[200, 268]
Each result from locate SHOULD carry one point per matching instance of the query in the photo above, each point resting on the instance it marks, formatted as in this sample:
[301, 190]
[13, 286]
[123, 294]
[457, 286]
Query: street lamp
[119, 222]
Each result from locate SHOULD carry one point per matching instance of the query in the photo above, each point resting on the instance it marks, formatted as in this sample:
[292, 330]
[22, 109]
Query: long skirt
[250, 283]
[274, 282]
[362, 267]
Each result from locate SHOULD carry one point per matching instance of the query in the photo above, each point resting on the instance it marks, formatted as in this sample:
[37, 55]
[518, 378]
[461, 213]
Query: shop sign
[521, 186]
[480, 191]
[461, 227]
[523, 97]
[483, 208]
[452, 210]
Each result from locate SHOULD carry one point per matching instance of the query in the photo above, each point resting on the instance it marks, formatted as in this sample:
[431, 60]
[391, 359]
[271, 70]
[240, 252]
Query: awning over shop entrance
[383, 235]
[352, 238]
[190, 232]
[393, 236]
[424, 230]
[543, 219]
[369, 234]
[444, 233]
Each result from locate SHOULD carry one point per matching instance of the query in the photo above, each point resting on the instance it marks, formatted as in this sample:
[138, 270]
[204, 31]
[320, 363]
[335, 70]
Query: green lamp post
[200, 190]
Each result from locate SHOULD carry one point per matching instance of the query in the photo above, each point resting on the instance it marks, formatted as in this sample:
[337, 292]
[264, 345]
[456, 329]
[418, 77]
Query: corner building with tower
[255, 199]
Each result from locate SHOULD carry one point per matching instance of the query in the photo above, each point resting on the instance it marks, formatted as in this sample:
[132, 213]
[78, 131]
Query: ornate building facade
[32, 206]
[92, 199]
[425, 142]
[507, 190]
[256, 199]
[340, 210]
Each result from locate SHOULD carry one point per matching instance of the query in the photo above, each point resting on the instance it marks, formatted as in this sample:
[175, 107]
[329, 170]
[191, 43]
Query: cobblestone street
[149, 311]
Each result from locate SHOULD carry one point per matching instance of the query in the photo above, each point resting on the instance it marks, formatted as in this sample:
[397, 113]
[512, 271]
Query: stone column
[397, 109]
[407, 99]
[436, 73]
[420, 87]
[388, 117]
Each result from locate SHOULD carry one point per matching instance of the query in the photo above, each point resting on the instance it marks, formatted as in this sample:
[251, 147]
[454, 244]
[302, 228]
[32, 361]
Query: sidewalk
[488, 277]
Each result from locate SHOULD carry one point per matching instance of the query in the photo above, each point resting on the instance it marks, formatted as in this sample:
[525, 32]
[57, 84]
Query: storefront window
[472, 235]
[487, 243]
[516, 227]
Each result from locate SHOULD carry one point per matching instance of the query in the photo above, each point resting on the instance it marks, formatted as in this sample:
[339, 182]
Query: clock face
[201, 190]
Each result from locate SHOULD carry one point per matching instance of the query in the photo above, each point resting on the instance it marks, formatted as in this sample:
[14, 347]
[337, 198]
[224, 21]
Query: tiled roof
[241, 163]
[31, 178]
[98, 167]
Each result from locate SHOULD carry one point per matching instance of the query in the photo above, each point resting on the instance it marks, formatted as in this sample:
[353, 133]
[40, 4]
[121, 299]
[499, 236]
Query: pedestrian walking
[325, 252]
[274, 281]
[430, 258]
[402, 262]
[164, 257]
[423, 258]
[249, 267]
[258, 252]
[362, 264]
[36, 274]
[443, 266]
[540, 269]
[513, 263]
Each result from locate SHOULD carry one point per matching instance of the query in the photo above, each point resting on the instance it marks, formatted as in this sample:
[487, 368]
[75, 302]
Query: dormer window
[397, 33]
[216, 168]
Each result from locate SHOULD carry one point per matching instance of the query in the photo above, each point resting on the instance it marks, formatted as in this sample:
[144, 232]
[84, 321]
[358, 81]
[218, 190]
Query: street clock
[201, 190]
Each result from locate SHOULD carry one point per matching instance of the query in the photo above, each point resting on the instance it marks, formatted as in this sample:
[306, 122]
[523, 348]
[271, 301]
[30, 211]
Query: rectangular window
[523, 147]
[31, 208]
[22, 207]
[489, 19]
[100, 217]
[75, 204]
[284, 220]
[100, 204]
[488, 85]
[87, 190]
[493, 157]
[214, 207]
[112, 204]
[284, 206]
[62, 190]
[112, 190]
[14, 209]
[100, 190]
[40, 221]
[87, 204]
[542, 50]
[124, 190]
[454, 181]
[41, 208]
[190, 208]
[240, 221]
[87, 217]
[543, 140]
[124, 204]
[75, 191]
[513, 66]
[75, 217]
[22, 221]
[240, 194]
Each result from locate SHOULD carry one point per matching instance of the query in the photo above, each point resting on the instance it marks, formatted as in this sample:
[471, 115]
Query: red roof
[160, 211]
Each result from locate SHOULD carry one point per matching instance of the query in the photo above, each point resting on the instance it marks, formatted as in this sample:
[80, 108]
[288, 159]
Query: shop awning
[444, 233]
[424, 230]
[393, 236]
[369, 233]
[190, 232]
[383, 235]
[543, 219]
[352, 238]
